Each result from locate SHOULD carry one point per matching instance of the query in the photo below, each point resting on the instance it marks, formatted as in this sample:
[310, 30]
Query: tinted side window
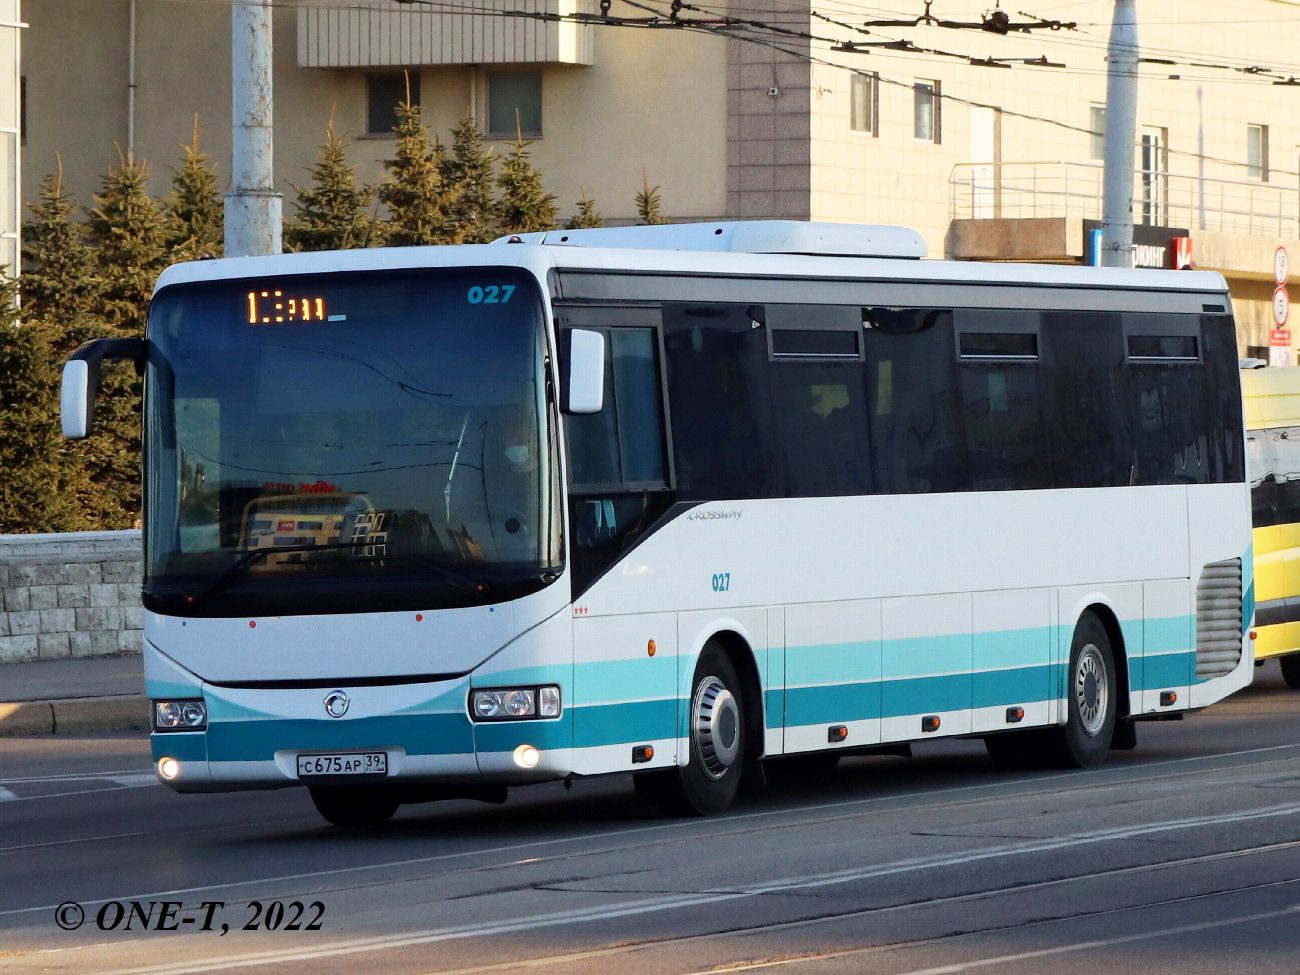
[822, 417]
[1223, 390]
[618, 470]
[720, 400]
[1089, 425]
[1005, 445]
[1170, 423]
[624, 442]
[914, 401]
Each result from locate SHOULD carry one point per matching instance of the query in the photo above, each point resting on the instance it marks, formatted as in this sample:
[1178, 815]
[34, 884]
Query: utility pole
[252, 205]
[1121, 134]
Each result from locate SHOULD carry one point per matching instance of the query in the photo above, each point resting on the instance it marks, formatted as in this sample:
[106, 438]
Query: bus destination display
[274, 306]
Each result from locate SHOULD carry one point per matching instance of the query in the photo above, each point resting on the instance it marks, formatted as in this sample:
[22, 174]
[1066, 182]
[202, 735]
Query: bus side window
[1166, 380]
[720, 399]
[1006, 446]
[1089, 425]
[916, 438]
[619, 474]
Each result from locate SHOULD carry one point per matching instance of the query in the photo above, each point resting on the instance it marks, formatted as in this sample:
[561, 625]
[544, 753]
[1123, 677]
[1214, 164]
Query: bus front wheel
[708, 783]
[1093, 699]
[352, 808]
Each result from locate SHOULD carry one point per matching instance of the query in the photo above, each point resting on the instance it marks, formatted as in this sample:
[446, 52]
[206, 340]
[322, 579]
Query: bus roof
[623, 249]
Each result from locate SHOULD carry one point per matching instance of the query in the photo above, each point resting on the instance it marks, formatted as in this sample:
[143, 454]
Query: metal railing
[1059, 188]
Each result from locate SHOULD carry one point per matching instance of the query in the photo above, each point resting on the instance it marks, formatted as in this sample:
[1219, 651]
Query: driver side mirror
[81, 380]
[584, 382]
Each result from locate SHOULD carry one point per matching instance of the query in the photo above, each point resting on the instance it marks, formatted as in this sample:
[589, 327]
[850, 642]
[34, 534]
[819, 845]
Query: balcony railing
[1013, 190]
[393, 33]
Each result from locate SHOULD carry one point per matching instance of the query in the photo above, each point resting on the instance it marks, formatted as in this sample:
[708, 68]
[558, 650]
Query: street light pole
[252, 220]
[1121, 134]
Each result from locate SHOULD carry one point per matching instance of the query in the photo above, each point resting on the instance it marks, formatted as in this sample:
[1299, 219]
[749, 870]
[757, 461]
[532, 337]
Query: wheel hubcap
[715, 727]
[1090, 691]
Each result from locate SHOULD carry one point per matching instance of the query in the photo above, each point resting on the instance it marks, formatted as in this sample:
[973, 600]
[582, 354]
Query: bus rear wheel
[1290, 665]
[708, 783]
[1093, 699]
[351, 808]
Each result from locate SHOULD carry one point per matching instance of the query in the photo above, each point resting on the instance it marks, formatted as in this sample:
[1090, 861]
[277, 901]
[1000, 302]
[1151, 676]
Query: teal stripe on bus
[1168, 670]
[937, 654]
[630, 723]
[259, 740]
[184, 746]
[506, 736]
[829, 704]
[831, 663]
[1022, 685]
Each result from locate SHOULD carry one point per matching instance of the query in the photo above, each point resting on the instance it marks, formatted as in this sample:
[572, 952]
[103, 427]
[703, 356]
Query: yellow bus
[1272, 409]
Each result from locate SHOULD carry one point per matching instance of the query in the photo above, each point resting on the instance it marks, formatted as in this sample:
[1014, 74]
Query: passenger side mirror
[81, 380]
[584, 385]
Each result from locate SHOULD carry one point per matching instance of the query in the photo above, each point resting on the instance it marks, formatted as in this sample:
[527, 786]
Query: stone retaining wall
[70, 595]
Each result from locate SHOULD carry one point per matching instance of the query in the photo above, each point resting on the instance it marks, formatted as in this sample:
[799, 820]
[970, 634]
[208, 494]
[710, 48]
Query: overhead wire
[718, 23]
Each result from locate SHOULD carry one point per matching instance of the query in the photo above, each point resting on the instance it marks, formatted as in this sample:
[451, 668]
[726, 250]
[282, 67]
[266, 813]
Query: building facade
[980, 128]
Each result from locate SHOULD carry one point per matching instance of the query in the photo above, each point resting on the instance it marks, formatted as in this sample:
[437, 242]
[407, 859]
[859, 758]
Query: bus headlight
[507, 703]
[180, 715]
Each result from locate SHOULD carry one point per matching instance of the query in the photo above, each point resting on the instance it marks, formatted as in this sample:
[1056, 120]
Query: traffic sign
[1281, 305]
[1280, 266]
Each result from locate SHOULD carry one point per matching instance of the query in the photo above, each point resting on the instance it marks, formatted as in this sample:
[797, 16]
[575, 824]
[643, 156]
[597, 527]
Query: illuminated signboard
[276, 307]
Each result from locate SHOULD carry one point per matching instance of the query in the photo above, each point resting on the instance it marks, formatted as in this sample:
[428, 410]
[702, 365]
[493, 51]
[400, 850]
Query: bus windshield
[348, 442]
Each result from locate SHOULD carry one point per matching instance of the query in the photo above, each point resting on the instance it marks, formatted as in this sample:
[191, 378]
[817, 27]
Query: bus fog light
[526, 756]
[169, 768]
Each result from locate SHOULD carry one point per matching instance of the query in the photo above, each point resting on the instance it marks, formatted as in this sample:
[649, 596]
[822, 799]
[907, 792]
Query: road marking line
[6, 795]
[674, 901]
[1104, 942]
[135, 780]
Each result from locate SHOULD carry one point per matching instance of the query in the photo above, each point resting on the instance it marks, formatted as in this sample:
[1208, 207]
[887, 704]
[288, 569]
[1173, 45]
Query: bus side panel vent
[1218, 619]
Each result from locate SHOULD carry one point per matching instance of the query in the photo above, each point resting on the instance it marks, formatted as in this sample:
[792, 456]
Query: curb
[77, 715]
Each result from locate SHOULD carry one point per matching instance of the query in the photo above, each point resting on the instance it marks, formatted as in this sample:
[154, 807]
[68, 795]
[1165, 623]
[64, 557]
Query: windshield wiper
[458, 580]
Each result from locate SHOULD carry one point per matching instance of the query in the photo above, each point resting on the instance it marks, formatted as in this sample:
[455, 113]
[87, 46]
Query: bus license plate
[353, 763]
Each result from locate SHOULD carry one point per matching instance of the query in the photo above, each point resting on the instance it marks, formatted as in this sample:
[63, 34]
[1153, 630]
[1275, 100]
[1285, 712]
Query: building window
[925, 102]
[384, 92]
[1257, 152]
[865, 103]
[1097, 126]
[514, 104]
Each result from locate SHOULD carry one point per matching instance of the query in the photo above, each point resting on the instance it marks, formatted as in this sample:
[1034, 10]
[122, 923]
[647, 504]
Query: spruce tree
[62, 284]
[195, 208]
[35, 495]
[587, 216]
[418, 200]
[523, 207]
[333, 212]
[469, 173]
[647, 203]
[129, 229]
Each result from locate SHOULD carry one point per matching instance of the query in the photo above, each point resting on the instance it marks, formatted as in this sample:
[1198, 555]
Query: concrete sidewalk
[73, 696]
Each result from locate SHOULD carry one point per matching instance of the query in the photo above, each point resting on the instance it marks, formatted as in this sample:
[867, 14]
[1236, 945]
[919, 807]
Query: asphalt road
[1183, 856]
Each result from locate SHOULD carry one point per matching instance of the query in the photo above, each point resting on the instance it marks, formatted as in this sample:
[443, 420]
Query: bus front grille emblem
[336, 704]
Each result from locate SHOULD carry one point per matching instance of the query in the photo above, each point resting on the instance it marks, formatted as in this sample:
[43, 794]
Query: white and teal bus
[673, 501]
